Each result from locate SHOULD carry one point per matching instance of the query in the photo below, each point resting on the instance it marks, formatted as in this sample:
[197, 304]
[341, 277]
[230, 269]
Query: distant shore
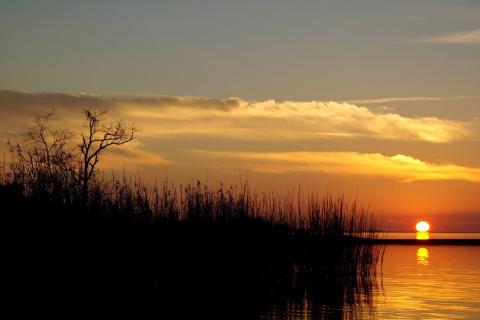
[430, 242]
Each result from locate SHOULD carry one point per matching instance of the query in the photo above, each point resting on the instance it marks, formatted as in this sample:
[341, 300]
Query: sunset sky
[382, 105]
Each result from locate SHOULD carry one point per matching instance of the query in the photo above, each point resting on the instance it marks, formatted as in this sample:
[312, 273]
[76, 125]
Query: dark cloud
[179, 102]
[20, 102]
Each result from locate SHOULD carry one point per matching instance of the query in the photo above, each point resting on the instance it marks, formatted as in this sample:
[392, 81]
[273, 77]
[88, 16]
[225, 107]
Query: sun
[422, 226]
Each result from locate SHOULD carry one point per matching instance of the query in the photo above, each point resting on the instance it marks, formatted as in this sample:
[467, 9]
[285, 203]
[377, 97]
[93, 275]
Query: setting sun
[422, 226]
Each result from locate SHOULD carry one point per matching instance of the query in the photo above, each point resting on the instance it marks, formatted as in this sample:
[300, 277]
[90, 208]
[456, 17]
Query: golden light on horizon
[422, 235]
[422, 226]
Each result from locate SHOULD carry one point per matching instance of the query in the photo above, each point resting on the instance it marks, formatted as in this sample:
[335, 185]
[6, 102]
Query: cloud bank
[242, 118]
[399, 167]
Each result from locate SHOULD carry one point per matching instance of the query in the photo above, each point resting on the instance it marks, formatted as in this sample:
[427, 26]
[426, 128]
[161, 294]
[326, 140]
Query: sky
[377, 100]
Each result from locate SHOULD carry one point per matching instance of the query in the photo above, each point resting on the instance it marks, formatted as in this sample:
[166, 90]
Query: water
[429, 282]
[413, 282]
[421, 281]
[432, 235]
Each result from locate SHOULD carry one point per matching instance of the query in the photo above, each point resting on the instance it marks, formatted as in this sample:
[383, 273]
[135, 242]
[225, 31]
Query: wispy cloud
[398, 167]
[407, 99]
[466, 37]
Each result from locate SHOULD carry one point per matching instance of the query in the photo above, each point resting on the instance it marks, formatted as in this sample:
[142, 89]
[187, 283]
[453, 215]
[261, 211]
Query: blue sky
[252, 49]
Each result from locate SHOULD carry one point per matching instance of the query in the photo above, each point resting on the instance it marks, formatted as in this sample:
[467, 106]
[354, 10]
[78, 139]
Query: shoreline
[430, 242]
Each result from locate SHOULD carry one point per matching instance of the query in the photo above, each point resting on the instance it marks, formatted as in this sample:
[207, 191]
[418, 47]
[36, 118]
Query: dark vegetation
[81, 245]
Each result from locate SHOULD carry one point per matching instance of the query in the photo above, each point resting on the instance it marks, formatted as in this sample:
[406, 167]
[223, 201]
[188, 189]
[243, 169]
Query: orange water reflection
[440, 282]
[422, 256]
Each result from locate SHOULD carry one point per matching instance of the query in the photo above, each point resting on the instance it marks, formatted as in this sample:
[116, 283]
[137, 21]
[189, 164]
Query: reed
[312, 214]
[198, 244]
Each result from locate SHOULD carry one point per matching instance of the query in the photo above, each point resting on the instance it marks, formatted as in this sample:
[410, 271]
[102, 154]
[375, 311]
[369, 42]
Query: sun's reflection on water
[429, 282]
[422, 256]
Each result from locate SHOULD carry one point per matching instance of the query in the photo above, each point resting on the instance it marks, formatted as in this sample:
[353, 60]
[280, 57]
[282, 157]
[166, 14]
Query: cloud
[15, 102]
[398, 167]
[132, 155]
[466, 37]
[294, 120]
[406, 99]
[237, 118]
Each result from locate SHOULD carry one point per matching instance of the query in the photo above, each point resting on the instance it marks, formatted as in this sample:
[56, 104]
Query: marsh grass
[144, 251]
[313, 214]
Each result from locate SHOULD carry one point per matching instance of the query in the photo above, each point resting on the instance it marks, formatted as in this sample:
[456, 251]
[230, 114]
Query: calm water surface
[429, 282]
[432, 235]
[413, 282]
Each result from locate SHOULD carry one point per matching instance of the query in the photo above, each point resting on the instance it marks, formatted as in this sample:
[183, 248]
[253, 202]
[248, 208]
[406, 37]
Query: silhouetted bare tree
[97, 137]
[45, 160]
[48, 158]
